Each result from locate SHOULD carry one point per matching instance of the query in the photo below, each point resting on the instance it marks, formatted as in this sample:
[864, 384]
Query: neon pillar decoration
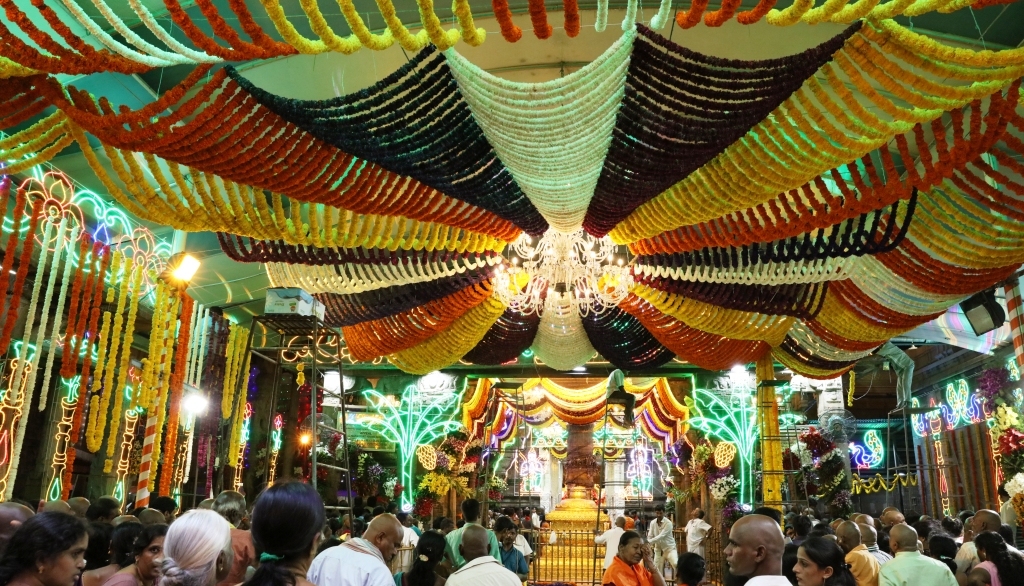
[12, 401]
[131, 418]
[532, 473]
[243, 440]
[183, 455]
[409, 422]
[276, 440]
[940, 463]
[735, 422]
[639, 472]
[60, 455]
[870, 455]
[1011, 365]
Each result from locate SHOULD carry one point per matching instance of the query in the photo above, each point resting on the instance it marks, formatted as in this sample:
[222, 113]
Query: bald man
[206, 504]
[121, 519]
[869, 537]
[755, 551]
[361, 561]
[79, 505]
[481, 569]
[891, 516]
[56, 507]
[910, 567]
[12, 515]
[151, 517]
[863, 565]
[967, 557]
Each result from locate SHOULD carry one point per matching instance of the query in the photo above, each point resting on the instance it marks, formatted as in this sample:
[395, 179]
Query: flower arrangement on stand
[1015, 488]
[833, 485]
[369, 476]
[495, 488]
[1001, 403]
[798, 458]
[456, 462]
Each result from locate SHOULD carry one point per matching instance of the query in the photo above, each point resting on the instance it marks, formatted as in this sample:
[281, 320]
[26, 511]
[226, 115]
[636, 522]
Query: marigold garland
[177, 389]
[28, 244]
[448, 346]
[238, 339]
[135, 275]
[161, 394]
[106, 361]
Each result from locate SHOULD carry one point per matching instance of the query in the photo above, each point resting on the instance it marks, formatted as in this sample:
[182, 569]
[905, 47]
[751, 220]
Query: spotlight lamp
[983, 312]
[181, 267]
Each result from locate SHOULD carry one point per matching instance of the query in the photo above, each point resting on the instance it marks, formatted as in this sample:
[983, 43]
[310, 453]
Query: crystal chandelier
[563, 268]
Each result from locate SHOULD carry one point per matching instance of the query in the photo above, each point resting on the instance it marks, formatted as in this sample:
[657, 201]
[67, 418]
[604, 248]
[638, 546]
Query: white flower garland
[193, 343]
[1015, 485]
[30, 317]
[659, 19]
[197, 372]
[771, 273]
[58, 314]
[109, 42]
[809, 340]
[357, 278]
[552, 136]
[722, 487]
[561, 341]
[158, 31]
[892, 291]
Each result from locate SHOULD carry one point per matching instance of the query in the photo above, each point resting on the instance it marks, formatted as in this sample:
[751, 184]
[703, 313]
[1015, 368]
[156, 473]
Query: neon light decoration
[961, 407]
[725, 453]
[63, 438]
[131, 418]
[532, 473]
[552, 437]
[640, 473]
[870, 455]
[735, 422]
[940, 463]
[409, 422]
[615, 437]
[12, 401]
[243, 441]
[276, 440]
[1011, 365]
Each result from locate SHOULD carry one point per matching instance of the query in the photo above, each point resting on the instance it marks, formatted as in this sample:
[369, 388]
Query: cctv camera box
[292, 300]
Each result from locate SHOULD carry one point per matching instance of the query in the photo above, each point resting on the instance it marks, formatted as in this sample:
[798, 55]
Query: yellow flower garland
[453, 343]
[98, 407]
[136, 273]
[162, 393]
[238, 338]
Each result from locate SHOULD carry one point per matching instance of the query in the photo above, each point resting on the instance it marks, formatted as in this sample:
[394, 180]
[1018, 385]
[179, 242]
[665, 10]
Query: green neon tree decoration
[729, 420]
[410, 421]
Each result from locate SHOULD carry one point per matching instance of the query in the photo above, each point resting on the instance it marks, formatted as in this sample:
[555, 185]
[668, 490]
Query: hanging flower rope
[452, 343]
[681, 108]
[801, 300]
[135, 275]
[622, 340]
[561, 341]
[506, 339]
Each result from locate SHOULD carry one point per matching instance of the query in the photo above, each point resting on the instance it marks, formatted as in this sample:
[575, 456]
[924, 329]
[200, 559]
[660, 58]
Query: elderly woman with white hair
[197, 550]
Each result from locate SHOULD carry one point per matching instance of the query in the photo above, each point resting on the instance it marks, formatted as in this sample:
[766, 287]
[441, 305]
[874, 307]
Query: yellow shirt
[864, 566]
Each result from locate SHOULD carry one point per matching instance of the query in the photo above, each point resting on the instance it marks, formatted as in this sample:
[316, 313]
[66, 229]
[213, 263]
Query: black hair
[122, 543]
[627, 537]
[138, 511]
[883, 542]
[164, 504]
[700, 513]
[926, 528]
[97, 554]
[102, 508]
[470, 510]
[431, 545]
[825, 552]
[659, 508]
[43, 537]
[335, 524]
[391, 508]
[460, 523]
[436, 525]
[943, 548]
[503, 524]
[1009, 564]
[789, 562]
[402, 517]
[286, 519]
[690, 569]
[953, 526]
[965, 515]
[802, 525]
[377, 511]
[358, 527]
[769, 512]
[143, 539]
[1007, 532]
[820, 530]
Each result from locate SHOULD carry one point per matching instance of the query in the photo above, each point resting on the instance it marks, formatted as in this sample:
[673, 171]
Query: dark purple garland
[507, 338]
[801, 300]
[680, 109]
[414, 122]
[807, 358]
[622, 340]
[350, 309]
[867, 234]
[263, 251]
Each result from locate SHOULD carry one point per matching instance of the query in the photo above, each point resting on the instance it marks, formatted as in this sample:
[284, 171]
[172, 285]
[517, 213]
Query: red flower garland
[19, 280]
[690, 18]
[177, 383]
[12, 241]
[539, 18]
[572, 17]
[503, 15]
[93, 311]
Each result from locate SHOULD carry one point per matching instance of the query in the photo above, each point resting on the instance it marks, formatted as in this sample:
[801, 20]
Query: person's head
[447, 526]
[697, 513]
[943, 548]
[385, 533]
[505, 530]
[820, 530]
[122, 544]
[152, 517]
[1007, 532]
[892, 517]
[428, 553]
[49, 547]
[902, 539]
[79, 505]
[820, 561]
[848, 535]
[166, 505]
[97, 554]
[12, 516]
[989, 544]
[436, 524]
[690, 569]
[755, 547]
[471, 510]
[405, 519]
[659, 512]
[56, 507]
[122, 519]
[205, 504]
[230, 504]
[631, 548]
[993, 548]
[868, 535]
[286, 522]
[475, 543]
[924, 530]
[802, 525]
[964, 515]
[197, 550]
[620, 522]
[775, 514]
[789, 562]
[377, 512]
[148, 551]
[953, 526]
[986, 520]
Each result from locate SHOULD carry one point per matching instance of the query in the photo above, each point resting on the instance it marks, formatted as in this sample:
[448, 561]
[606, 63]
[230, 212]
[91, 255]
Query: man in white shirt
[696, 532]
[535, 519]
[755, 551]
[659, 535]
[910, 567]
[967, 557]
[481, 568]
[1006, 512]
[361, 561]
[610, 540]
[409, 541]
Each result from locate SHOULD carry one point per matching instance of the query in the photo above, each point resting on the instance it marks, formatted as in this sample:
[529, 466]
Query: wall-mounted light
[181, 267]
[983, 312]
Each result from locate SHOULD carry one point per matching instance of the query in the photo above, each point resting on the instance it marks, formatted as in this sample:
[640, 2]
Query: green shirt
[455, 538]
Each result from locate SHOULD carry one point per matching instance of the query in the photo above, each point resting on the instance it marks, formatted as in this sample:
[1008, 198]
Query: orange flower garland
[177, 383]
[12, 240]
[503, 15]
[572, 17]
[19, 280]
[539, 18]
